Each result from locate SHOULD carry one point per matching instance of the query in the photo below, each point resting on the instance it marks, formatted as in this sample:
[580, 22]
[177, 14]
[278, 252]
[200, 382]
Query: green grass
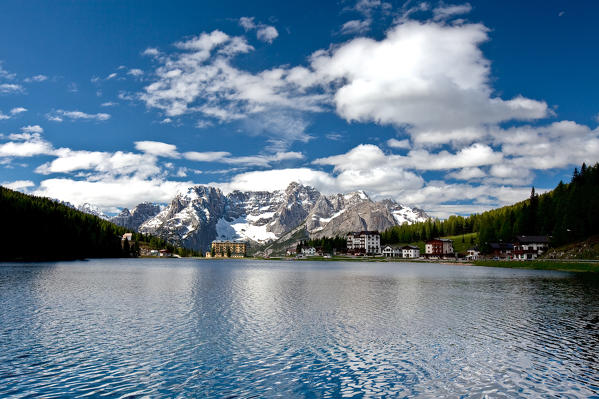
[588, 267]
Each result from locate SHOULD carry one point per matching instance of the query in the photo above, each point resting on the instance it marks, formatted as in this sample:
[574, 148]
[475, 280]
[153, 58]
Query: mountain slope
[137, 216]
[202, 214]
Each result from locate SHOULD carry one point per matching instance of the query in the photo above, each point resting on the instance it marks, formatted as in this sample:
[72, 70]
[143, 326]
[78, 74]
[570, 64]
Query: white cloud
[394, 143]
[18, 185]
[151, 51]
[109, 104]
[32, 129]
[366, 156]
[428, 78]
[25, 145]
[252, 160]
[202, 80]
[111, 76]
[444, 12]
[17, 110]
[104, 163]
[4, 74]
[3, 116]
[36, 78]
[467, 174]
[60, 115]
[111, 192]
[247, 23]
[209, 156]
[355, 26]
[157, 148]
[6, 88]
[135, 72]
[276, 179]
[265, 33]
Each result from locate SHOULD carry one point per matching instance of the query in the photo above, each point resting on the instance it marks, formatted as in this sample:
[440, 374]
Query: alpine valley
[266, 220]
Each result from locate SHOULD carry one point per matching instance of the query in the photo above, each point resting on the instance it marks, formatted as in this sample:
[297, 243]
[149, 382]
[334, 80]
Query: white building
[410, 252]
[390, 252]
[309, 251]
[472, 254]
[530, 247]
[368, 242]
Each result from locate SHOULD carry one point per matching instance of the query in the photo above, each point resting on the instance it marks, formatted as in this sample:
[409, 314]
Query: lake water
[234, 328]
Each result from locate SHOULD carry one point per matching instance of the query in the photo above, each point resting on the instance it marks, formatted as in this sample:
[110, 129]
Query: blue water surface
[239, 328]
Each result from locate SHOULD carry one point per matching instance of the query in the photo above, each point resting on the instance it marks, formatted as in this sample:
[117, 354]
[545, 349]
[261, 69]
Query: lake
[236, 328]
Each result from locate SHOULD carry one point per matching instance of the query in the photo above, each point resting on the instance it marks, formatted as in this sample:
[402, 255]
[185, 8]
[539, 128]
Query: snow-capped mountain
[202, 214]
[137, 216]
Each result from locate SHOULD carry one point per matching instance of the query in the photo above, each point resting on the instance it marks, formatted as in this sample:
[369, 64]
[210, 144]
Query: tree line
[37, 228]
[327, 244]
[568, 213]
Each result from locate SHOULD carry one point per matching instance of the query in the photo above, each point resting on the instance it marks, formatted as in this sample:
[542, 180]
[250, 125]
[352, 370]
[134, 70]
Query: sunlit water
[189, 328]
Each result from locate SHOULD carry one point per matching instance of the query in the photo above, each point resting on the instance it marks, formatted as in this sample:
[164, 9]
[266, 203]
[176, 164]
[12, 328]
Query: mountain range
[195, 218]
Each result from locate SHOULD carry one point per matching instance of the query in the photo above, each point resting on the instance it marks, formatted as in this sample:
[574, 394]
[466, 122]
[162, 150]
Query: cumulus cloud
[202, 80]
[157, 148]
[427, 77]
[32, 129]
[25, 145]
[18, 185]
[265, 33]
[60, 115]
[111, 192]
[18, 110]
[104, 163]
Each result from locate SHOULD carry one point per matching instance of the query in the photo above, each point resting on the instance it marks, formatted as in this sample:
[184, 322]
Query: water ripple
[165, 328]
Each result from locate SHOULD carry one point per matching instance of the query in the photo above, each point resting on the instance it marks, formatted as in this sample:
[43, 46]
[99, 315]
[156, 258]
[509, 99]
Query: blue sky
[452, 107]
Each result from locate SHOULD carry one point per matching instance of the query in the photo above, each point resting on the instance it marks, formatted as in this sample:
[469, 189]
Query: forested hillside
[568, 213]
[35, 228]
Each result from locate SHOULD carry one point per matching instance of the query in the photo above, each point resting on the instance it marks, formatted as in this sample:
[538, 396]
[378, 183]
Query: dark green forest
[569, 213]
[327, 244]
[36, 228]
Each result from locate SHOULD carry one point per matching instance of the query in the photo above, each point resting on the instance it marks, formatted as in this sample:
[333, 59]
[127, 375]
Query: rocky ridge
[202, 214]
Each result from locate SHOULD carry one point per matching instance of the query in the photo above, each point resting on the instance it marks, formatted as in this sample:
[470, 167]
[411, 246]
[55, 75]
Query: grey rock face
[136, 217]
[203, 214]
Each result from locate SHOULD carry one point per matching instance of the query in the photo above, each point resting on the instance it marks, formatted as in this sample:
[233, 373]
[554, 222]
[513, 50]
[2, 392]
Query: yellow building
[233, 249]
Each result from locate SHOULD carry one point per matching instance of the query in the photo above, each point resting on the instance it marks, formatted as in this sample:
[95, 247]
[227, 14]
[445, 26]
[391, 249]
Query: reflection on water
[128, 328]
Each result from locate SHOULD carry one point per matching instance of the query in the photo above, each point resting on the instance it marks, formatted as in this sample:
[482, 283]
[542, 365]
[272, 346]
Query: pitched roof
[501, 245]
[532, 239]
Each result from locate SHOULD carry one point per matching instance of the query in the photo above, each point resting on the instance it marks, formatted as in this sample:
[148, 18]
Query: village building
[439, 247]
[364, 242]
[410, 252]
[234, 249]
[501, 250]
[530, 247]
[391, 252]
[472, 254]
[308, 251]
[291, 251]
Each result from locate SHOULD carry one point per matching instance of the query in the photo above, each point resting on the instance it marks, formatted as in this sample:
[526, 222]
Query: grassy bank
[589, 267]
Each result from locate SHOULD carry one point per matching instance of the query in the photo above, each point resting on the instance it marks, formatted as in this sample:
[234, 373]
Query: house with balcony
[410, 252]
[530, 247]
[439, 248]
[364, 242]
